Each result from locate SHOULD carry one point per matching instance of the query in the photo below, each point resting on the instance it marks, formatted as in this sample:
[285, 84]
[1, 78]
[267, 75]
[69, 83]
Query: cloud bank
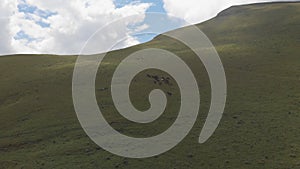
[59, 26]
[63, 27]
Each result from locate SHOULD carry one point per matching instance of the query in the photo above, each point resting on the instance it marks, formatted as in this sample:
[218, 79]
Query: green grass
[259, 47]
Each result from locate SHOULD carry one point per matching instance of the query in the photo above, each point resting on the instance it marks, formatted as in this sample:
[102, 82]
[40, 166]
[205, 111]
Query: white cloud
[68, 27]
[5, 13]
[196, 11]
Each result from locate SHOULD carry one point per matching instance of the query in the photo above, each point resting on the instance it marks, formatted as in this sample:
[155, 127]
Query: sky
[63, 27]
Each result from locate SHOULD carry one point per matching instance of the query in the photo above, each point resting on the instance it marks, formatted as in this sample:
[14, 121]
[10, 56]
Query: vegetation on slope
[259, 47]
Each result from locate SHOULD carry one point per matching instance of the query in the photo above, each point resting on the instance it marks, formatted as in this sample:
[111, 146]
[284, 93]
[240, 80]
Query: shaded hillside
[259, 47]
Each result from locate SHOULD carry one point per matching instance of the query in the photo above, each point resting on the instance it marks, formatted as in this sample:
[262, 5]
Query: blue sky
[153, 30]
[31, 9]
[156, 7]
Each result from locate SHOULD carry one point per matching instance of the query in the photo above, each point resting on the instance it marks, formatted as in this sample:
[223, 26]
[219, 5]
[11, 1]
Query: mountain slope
[259, 47]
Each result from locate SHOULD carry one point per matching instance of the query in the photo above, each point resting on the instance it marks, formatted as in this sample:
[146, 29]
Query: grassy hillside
[259, 47]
